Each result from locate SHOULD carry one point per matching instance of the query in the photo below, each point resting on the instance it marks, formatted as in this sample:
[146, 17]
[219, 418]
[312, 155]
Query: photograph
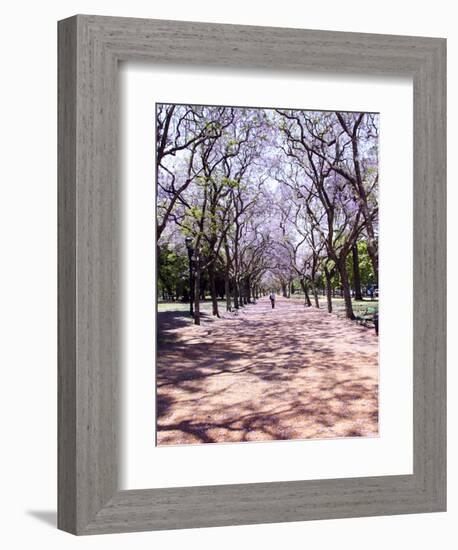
[267, 274]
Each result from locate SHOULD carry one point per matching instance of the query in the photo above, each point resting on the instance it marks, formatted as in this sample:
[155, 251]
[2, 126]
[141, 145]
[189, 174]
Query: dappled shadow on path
[288, 373]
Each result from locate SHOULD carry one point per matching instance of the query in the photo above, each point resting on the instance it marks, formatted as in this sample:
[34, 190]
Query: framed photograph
[251, 275]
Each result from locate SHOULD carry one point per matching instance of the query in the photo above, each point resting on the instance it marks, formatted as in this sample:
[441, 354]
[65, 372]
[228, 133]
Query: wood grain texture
[67, 437]
[90, 48]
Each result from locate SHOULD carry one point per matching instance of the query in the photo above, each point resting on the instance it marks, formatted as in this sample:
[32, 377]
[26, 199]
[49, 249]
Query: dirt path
[287, 373]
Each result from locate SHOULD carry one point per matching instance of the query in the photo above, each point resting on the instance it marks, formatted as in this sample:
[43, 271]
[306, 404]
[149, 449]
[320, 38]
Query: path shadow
[272, 421]
[271, 354]
[168, 321]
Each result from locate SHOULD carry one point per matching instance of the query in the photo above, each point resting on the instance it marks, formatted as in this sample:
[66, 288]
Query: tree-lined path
[288, 373]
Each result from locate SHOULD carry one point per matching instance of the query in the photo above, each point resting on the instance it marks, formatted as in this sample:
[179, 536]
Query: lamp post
[189, 247]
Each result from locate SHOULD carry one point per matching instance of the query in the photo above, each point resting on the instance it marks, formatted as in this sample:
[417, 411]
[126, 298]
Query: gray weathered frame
[90, 48]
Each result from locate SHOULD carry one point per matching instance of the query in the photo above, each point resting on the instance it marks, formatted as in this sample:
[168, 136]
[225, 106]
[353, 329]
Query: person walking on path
[272, 299]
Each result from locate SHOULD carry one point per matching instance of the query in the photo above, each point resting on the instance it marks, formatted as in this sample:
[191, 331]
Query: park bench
[368, 315]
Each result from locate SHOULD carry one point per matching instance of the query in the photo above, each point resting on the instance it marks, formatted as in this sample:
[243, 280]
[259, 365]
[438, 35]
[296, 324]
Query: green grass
[181, 306]
[338, 304]
[359, 306]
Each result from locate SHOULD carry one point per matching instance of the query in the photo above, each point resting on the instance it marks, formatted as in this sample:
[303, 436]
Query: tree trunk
[235, 292]
[346, 289]
[241, 292]
[245, 291]
[373, 255]
[197, 294]
[307, 301]
[315, 296]
[356, 273]
[227, 290]
[328, 289]
[248, 290]
[227, 267]
[191, 287]
[214, 297]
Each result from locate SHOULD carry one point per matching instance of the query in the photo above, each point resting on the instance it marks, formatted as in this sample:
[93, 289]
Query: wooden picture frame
[90, 48]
